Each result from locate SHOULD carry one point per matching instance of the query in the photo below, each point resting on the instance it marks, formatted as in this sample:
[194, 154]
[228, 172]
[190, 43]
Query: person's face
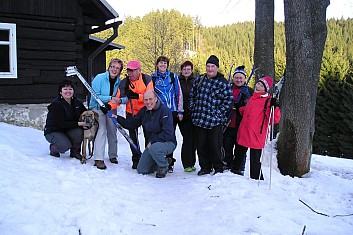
[186, 71]
[162, 66]
[211, 70]
[114, 69]
[150, 100]
[259, 87]
[67, 92]
[239, 79]
[133, 74]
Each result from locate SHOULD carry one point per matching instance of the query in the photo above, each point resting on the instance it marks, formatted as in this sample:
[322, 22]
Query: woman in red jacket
[253, 127]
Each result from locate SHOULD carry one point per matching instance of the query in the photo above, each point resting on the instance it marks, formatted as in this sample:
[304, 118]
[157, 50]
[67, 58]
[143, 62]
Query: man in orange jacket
[131, 91]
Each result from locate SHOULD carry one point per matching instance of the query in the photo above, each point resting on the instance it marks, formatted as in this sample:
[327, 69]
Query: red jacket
[253, 121]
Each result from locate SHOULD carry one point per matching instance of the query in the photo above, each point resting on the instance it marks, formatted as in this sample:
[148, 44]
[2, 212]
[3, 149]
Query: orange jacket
[139, 87]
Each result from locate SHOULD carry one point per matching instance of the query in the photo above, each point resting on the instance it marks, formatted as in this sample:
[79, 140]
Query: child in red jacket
[253, 127]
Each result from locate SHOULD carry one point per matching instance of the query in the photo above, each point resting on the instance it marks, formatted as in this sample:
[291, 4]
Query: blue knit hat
[240, 69]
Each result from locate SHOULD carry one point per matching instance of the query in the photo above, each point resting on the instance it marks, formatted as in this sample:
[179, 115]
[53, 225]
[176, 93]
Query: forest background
[181, 37]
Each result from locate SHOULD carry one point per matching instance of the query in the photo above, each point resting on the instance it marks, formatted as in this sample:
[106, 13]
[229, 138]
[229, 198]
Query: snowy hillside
[40, 194]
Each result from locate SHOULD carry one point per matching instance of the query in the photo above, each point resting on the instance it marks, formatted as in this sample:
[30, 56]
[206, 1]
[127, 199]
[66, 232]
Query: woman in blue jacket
[106, 86]
[167, 86]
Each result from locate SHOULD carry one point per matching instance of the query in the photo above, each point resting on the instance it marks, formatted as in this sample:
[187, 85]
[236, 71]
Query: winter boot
[100, 164]
[171, 161]
[53, 151]
[135, 162]
[113, 160]
[203, 172]
[75, 151]
[161, 173]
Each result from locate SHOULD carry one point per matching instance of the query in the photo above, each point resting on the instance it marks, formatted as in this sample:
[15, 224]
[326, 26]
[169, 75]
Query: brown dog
[90, 117]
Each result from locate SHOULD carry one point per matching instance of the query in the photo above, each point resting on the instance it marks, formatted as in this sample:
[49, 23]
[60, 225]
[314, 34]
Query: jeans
[154, 157]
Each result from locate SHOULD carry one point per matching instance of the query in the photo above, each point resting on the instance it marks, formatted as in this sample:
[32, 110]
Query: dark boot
[135, 162]
[203, 172]
[161, 173]
[113, 160]
[75, 151]
[53, 151]
[171, 161]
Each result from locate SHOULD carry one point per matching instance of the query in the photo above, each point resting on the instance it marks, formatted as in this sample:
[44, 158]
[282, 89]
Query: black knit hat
[240, 69]
[213, 60]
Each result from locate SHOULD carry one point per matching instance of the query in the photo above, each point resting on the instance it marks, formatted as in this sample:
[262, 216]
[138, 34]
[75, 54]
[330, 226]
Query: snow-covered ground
[40, 194]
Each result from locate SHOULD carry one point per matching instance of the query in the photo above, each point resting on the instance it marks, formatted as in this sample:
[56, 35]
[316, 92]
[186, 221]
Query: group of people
[212, 113]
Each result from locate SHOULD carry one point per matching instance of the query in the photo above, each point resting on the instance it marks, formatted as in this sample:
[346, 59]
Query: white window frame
[13, 50]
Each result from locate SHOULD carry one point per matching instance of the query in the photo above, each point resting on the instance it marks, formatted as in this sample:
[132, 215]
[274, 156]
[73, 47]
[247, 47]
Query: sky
[41, 194]
[217, 13]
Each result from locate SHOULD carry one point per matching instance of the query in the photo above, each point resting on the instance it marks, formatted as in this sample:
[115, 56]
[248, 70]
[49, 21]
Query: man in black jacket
[157, 122]
[210, 99]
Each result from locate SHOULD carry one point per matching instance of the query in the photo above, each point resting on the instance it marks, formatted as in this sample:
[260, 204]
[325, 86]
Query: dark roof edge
[110, 8]
[117, 46]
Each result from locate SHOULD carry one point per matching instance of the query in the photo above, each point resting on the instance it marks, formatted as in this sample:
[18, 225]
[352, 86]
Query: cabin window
[8, 51]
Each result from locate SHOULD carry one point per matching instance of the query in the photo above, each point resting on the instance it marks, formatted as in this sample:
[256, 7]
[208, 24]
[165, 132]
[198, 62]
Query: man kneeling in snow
[157, 123]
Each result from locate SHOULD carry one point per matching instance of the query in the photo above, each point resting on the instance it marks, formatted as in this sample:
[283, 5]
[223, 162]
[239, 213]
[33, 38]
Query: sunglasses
[131, 70]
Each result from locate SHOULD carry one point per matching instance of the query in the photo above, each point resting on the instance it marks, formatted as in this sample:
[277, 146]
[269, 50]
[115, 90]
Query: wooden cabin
[40, 38]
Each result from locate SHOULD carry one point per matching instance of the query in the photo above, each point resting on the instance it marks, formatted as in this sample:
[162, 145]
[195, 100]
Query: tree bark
[264, 38]
[305, 29]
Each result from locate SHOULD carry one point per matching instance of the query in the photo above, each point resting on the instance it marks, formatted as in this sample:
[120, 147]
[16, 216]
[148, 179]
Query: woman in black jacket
[62, 129]
[188, 148]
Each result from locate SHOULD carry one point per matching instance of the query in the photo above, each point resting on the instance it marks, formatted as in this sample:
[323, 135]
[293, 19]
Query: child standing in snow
[253, 127]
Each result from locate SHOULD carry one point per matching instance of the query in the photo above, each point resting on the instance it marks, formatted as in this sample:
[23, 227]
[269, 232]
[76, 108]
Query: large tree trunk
[305, 29]
[264, 38]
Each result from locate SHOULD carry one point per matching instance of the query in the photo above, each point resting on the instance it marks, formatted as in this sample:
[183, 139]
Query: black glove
[132, 95]
[245, 91]
[274, 102]
[106, 108]
[235, 105]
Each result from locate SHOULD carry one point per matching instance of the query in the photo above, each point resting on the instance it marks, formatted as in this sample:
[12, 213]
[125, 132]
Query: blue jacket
[210, 99]
[169, 93]
[157, 123]
[101, 86]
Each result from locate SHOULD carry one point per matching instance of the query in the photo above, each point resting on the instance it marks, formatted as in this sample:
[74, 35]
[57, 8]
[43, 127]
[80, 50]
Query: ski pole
[72, 70]
[230, 72]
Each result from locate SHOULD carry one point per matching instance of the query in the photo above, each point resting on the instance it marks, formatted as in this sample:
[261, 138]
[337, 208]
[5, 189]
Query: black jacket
[157, 123]
[62, 116]
[186, 85]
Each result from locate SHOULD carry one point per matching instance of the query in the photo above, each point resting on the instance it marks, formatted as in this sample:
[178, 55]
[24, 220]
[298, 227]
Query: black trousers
[255, 163]
[134, 137]
[175, 122]
[230, 146]
[208, 144]
[188, 148]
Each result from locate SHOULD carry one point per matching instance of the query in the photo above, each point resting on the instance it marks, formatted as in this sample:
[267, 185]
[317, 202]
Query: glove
[132, 95]
[106, 108]
[245, 91]
[235, 105]
[274, 102]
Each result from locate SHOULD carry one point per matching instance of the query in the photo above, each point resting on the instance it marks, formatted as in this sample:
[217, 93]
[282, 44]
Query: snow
[40, 194]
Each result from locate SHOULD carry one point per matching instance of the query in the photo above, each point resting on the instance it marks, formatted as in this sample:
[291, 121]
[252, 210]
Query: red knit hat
[267, 82]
